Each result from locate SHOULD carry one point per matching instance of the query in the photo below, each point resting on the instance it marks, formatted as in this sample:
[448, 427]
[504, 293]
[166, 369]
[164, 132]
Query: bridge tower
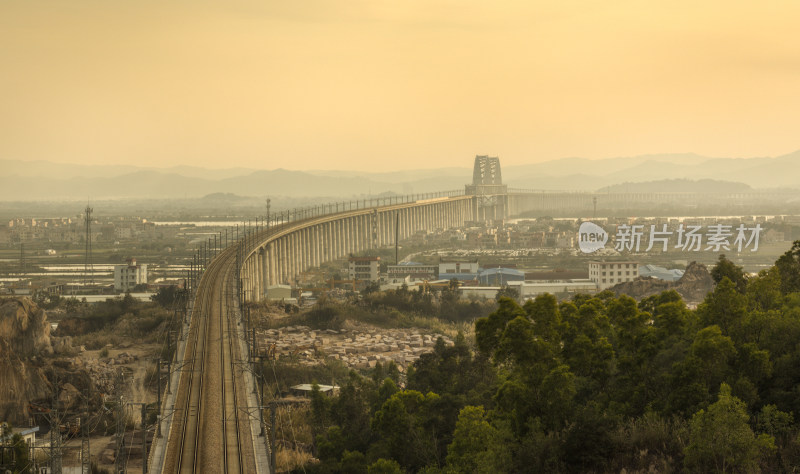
[487, 186]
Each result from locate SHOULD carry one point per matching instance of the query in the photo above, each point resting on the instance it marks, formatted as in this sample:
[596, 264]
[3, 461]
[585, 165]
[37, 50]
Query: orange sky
[386, 84]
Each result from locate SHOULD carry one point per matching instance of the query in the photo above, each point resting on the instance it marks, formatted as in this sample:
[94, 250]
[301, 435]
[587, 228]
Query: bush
[326, 316]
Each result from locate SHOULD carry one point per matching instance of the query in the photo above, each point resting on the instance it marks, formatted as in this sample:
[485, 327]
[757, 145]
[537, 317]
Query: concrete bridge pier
[301, 246]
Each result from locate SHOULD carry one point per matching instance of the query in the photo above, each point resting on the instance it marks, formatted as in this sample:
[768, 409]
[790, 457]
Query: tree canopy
[598, 383]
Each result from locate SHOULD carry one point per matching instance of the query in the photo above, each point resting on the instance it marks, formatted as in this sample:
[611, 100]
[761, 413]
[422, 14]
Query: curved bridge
[279, 254]
[213, 421]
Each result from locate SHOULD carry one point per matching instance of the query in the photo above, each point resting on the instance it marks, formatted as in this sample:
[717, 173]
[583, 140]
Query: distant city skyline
[380, 85]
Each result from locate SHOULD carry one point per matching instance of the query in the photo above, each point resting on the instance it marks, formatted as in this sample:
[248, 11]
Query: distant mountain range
[678, 186]
[583, 174]
[42, 180]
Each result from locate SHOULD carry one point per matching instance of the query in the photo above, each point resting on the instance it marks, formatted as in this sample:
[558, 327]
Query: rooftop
[307, 387]
[364, 259]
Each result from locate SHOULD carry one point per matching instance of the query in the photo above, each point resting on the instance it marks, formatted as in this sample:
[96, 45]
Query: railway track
[209, 426]
[209, 434]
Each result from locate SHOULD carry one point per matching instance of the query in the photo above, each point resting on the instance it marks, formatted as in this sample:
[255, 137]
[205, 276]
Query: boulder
[107, 456]
[68, 396]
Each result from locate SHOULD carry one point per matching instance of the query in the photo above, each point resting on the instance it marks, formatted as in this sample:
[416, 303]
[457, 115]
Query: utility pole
[55, 434]
[269, 201]
[396, 234]
[143, 406]
[119, 461]
[88, 268]
[86, 451]
[22, 260]
[272, 436]
[144, 439]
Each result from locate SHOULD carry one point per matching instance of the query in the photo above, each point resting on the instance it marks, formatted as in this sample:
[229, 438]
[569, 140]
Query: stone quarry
[356, 348]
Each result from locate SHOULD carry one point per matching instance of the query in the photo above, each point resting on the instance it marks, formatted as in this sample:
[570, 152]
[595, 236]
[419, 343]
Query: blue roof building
[661, 273]
[500, 276]
[458, 276]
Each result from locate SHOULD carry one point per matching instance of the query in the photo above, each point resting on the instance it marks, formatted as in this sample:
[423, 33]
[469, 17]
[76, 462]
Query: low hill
[678, 185]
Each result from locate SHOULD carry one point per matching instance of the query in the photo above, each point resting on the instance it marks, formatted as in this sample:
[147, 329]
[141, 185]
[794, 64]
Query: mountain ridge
[37, 180]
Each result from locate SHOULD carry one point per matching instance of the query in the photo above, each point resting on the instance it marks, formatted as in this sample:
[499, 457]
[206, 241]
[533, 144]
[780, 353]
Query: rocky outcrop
[693, 286]
[695, 283]
[24, 326]
[24, 338]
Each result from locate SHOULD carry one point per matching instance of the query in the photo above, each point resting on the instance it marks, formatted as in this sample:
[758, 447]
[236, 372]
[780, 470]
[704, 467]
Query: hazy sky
[379, 85]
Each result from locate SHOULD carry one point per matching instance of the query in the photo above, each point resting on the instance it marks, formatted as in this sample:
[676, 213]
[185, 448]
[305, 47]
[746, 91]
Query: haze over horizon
[379, 85]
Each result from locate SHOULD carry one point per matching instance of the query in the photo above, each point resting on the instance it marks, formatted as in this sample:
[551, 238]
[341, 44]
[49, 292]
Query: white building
[129, 275]
[364, 268]
[411, 271]
[608, 274]
[531, 289]
[123, 232]
[279, 292]
[458, 267]
[488, 292]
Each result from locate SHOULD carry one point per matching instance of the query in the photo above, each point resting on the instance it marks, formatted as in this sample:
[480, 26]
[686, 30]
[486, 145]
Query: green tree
[788, 266]
[351, 411]
[764, 290]
[477, 446]
[774, 422]
[385, 466]
[489, 329]
[448, 300]
[708, 363]
[725, 307]
[45, 300]
[353, 462]
[73, 305]
[170, 297]
[725, 268]
[721, 440]
[650, 303]
[546, 317]
[671, 318]
[371, 287]
[404, 423]
[19, 456]
[588, 445]
[453, 370]
[331, 446]
[506, 291]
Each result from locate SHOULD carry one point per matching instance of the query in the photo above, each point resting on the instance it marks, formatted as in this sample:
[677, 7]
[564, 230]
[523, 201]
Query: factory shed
[500, 276]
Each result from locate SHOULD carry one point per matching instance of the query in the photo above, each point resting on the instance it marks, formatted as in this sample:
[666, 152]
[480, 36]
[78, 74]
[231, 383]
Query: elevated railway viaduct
[212, 421]
[280, 254]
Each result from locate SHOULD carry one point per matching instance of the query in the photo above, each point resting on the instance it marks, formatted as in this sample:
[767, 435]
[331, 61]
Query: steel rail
[211, 296]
